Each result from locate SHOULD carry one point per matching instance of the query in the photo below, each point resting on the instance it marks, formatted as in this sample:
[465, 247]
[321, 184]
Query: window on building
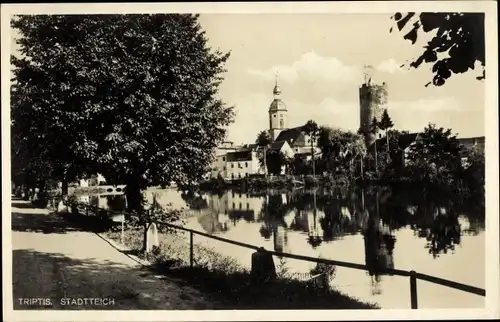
[248, 206]
[232, 166]
[274, 115]
[234, 206]
[240, 205]
[239, 175]
[232, 175]
[224, 168]
[246, 164]
[223, 158]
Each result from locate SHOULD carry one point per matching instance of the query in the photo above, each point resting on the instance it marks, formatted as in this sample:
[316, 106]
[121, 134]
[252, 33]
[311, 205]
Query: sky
[320, 61]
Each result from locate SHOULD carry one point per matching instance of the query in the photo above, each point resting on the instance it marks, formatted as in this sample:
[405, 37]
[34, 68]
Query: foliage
[374, 126]
[437, 150]
[385, 121]
[460, 35]
[299, 165]
[475, 168]
[282, 269]
[311, 129]
[275, 161]
[263, 139]
[133, 96]
[386, 124]
[155, 213]
[340, 148]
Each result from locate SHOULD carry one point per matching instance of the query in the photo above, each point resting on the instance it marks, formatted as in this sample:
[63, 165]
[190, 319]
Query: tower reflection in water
[379, 242]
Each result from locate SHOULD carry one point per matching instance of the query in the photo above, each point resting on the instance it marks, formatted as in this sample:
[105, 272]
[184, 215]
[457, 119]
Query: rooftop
[244, 155]
[277, 105]
[290, 135]
[277, 145]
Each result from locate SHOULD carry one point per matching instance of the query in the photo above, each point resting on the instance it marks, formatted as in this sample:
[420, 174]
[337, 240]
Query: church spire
[277, 90]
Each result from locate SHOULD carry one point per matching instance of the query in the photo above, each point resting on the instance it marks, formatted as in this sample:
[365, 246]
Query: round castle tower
[373, 101]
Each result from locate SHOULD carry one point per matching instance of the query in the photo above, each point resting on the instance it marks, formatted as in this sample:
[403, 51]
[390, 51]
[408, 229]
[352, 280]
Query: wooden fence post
[191, 249]
[413, 290]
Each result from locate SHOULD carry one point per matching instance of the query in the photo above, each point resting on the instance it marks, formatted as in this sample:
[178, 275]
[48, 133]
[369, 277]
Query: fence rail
[414, 276]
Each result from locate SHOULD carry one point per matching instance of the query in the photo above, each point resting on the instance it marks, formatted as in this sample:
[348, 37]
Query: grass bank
[229, 282]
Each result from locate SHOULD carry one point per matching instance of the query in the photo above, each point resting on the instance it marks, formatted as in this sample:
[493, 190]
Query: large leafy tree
[385, 125]
[136, 93]
[311, 128]
[263, 140]
[46, 119]
[275, 161]
[340, 147]
[460, 35]
[374, 128]
[437, 148]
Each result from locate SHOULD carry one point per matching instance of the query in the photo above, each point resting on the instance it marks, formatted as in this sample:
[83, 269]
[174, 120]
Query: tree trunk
[145, 239]
[361, 163]
[388, 150]
[265, 162]
[64, 187]
[376, 163]
[312, 158]
[41, 187]
[387, 138]
[133, 195]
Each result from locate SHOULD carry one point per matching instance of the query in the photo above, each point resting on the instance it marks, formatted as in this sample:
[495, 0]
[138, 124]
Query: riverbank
[283, 183]
[229, 282]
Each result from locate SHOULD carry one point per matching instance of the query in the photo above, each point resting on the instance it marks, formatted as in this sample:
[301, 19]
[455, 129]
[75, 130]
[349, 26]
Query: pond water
[435, 234]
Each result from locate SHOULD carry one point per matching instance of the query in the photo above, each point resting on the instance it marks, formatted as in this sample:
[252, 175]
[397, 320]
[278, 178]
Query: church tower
[277, 114]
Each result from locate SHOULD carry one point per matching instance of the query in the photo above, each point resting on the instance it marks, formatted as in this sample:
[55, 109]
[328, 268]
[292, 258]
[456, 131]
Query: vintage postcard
[250, 161]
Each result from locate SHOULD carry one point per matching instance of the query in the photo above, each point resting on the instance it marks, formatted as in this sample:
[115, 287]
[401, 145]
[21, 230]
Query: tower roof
[277, 105]
[277, 89]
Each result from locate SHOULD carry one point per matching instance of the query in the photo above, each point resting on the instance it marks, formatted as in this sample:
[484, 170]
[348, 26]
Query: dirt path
[66, 267]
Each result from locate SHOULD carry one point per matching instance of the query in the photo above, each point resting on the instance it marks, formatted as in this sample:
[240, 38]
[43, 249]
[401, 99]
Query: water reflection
[380, 227]
[327, 216]
[116, 202]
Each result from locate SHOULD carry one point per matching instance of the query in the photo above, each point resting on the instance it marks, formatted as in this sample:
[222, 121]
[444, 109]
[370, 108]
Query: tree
[47, 118]
[359, 151]
[460, 35]
[436, 148]
[374, 127]
[263, 140]
[340, 147]
[475, 167]
[154, 213]
[275, 161]
[139, 91]
[312, 129]
[298, 165]
[385, 125]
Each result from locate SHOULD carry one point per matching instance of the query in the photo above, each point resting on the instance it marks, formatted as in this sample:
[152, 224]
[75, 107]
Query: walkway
[68, 267]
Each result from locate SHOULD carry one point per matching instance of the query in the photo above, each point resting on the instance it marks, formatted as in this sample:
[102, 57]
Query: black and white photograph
[209, 159]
